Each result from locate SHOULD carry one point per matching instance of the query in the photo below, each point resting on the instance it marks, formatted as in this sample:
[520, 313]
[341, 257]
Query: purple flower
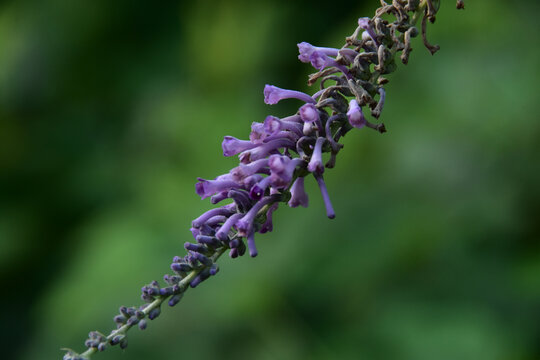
[232, 146]
[265, 149]
[245, 224]
[251, 244]
[208, 240]
[349, 54]
[223, 232]
[203, 275]
[226, 210]
[206, 188]
[244, 170]
[195, 232]
[273, 125]
[309, 113]
[273, 94]
[241, 198]
[315, 164]
[202, 258]
[355, 115]
[298, 194]
[282, 170]
[292, 136]
[320, 61]
[219, 197]
[324, 192]
[365, 23]
[306, 49]
[293, 118]
[268, 226]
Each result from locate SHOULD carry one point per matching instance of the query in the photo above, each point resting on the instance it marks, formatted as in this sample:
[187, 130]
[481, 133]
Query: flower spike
[280, 153]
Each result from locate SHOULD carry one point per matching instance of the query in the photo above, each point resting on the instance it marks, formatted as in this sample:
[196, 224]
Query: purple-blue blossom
[355, 115]
[273, 95]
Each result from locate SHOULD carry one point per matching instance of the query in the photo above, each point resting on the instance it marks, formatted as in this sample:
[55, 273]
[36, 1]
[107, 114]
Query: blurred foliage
[109, 110]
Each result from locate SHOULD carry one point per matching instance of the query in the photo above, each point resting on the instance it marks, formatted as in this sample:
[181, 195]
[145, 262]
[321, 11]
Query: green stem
[184, 283]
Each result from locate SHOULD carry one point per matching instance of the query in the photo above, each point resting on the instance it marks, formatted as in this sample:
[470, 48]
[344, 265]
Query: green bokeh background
[109, 110]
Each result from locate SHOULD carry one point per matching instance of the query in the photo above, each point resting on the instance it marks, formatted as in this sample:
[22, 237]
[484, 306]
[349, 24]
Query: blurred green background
[109, 110]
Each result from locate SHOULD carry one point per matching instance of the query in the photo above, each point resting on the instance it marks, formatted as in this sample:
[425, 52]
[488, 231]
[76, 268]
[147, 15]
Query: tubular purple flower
[241, 198]
[203, 275]
[251, 244]
[206, 230]
[320, 61]
[365, 23]
[315, 164]
[318, 94]
[273, 125]
[348, 54]
[195, 247]
[195, 232]
[265, 149]
[218, 197]
[172, 301]
[245, 224]
[179, 268]
[216, 220]
[273, 95]
[244, 170]
[223, 232]
[233, 254]
[226, 210]
[282, 170]
[278, 163]
[202, 258]
[324, 192]
[232, 146]
[208, 240]
[292, 136]
[214, 269]
[355, 115]
[206, 188]
[293, 118]
[298, 194]
[306, 49]
[268, 226]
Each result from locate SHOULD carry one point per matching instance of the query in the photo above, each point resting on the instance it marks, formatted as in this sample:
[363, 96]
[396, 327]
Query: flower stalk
[281, 153]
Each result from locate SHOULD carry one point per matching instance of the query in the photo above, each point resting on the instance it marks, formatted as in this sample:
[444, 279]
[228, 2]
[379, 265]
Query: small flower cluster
[280, 153]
